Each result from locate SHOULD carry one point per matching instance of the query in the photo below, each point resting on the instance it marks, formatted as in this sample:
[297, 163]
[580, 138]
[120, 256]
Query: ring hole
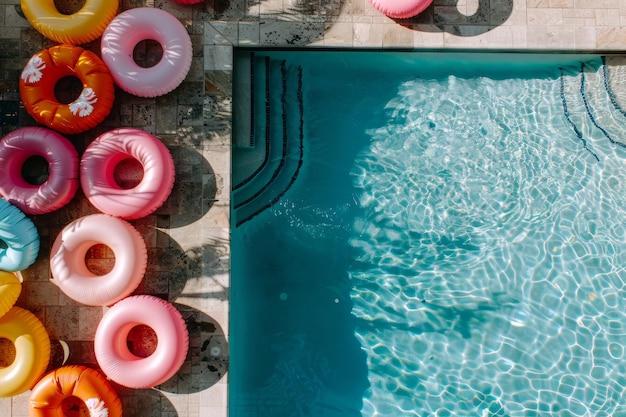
[36, 170]
[128, 173]
[470, 8]
[100, 259]
[68, 89]
[142, 341]
[3, 245]
[68, 7]
[147, 53]
[7, 352]
[73, 407]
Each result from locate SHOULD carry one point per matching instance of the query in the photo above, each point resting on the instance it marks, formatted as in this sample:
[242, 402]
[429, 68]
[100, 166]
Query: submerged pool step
[592, 111]
[283, 138]
[574, 109]
[251, 151]
[602, 109]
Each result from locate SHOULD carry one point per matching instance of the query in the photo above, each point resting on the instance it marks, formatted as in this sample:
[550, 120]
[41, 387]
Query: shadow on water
[292, 293]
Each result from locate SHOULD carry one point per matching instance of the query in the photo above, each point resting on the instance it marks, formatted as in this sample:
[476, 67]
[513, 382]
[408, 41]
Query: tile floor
[188, 238]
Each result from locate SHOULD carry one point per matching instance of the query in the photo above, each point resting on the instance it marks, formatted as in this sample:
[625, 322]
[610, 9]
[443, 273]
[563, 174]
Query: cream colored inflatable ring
[84, 26]
[86, 384]
[129, 28]
[71, 274]
[32, 351]
[10, 289]
[20, 145]
[124, 367]
[401, 9]
[106, 152]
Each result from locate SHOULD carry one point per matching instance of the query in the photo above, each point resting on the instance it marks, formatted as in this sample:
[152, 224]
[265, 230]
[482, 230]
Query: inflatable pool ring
[189, 1]
[71, 274]
[19, 239]
[46, 68]
[81, 382]
[10, 289]
[86, 25]
[401, 9]
[124, 367]
[32, 351]
[98, 164]
[129, 28]
[20, 145]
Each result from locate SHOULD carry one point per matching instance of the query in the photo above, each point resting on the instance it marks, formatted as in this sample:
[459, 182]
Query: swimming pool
[427, 234]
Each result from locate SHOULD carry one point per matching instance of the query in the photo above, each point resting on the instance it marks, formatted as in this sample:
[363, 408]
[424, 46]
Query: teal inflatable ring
[19, 239]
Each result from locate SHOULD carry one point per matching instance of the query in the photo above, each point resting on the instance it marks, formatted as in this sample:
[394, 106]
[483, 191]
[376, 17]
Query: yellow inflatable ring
[84, 26]
[10, 289]
[32, 351]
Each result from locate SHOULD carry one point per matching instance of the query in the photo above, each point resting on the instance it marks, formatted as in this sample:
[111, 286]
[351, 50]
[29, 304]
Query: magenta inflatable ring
[124, 367]
[98, 164]
[71, 273]
[401, 9]
[62, 182]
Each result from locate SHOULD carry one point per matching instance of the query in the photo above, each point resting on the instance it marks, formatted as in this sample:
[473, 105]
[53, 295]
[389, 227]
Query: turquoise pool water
[422, 234]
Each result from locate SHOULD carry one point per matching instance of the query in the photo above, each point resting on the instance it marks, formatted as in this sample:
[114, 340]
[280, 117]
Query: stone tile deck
[188, 238]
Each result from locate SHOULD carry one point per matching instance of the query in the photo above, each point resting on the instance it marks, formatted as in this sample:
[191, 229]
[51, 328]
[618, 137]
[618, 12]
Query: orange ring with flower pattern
[88, 385]
[41, 75]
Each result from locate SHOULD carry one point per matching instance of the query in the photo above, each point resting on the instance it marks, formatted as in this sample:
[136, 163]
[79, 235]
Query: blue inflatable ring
[19, 240]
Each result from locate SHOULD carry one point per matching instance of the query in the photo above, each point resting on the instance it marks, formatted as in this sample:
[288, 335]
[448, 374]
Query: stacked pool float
[93, 172]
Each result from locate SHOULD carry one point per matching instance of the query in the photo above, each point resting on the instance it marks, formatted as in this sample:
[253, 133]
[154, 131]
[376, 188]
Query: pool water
[418, 234]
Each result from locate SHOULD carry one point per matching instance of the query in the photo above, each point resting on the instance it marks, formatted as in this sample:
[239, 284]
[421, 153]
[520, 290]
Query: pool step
[593, 110]
[574, 109]
[279, 133]
[251, 109]
[602, 107]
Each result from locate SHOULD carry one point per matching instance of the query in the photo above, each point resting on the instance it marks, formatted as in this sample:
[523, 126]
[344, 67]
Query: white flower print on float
[33, 72]
[96, 407]
[83, 105]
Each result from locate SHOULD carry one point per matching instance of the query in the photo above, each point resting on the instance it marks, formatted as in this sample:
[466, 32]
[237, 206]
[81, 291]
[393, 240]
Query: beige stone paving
[188, 238]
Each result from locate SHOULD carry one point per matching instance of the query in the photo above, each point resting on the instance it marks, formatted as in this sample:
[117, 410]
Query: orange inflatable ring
[10, 289]
[86, 25]
[124, 367]
[86, 384]
[32, 351]
[44, 70]
[71, 274]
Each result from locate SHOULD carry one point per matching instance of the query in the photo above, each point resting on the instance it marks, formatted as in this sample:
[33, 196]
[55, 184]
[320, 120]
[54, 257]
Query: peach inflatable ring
[71, 274]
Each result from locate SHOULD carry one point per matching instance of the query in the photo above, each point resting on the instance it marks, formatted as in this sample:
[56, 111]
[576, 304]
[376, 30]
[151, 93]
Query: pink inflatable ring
[71, 274]
[20, 145]
[129, 28]
[98, 164]
[401, 9]
[124, 367]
